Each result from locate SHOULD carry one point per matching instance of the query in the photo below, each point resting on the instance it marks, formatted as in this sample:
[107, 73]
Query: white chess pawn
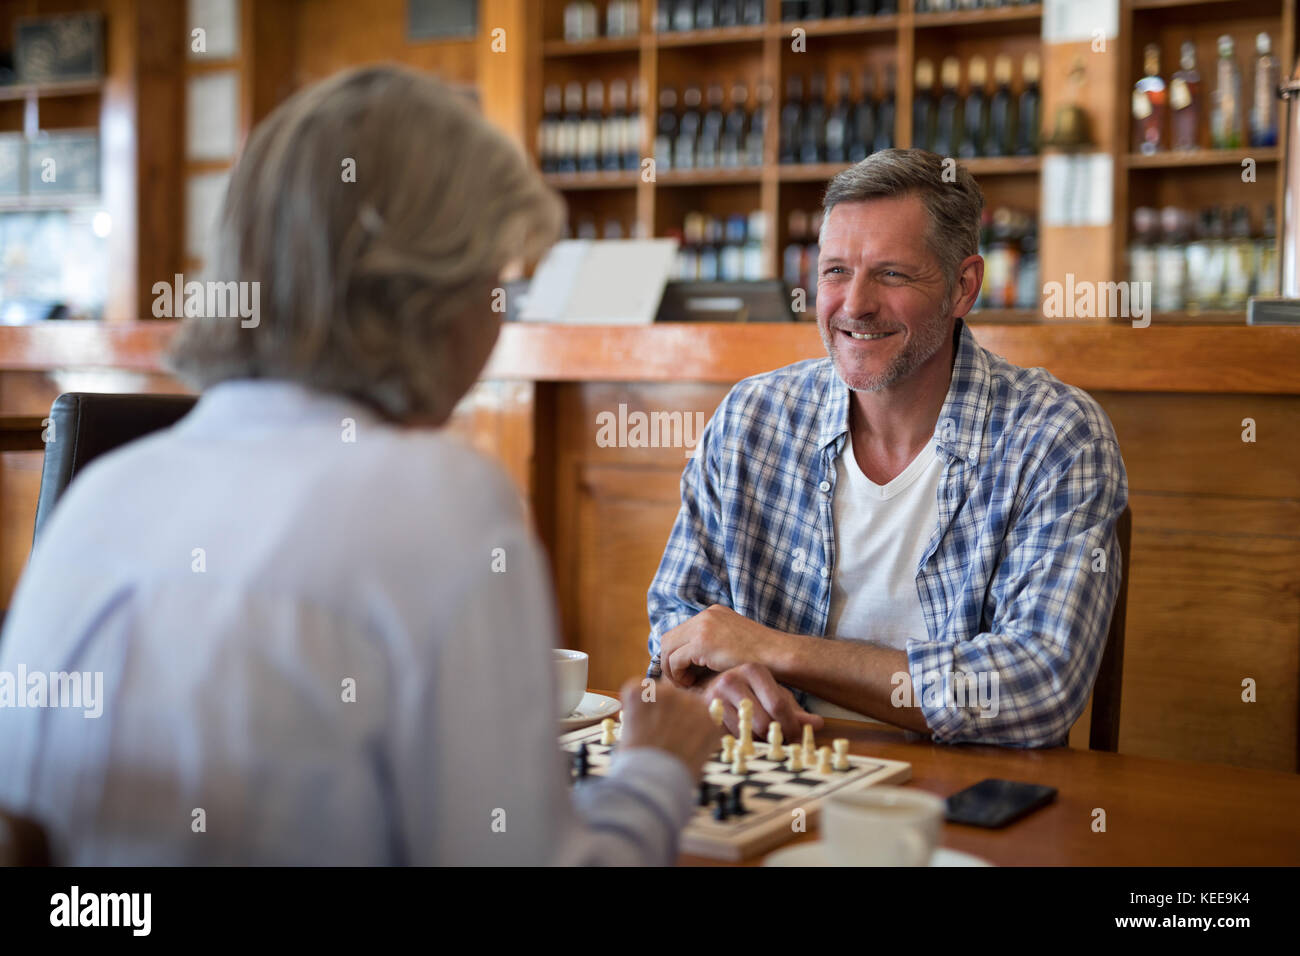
[728, 748]
[824, 760]
[738, 764]
[746, 709]
[842, 754]
[746, 736]
[607, 732]
[716, 711]
[795, 763]
[809, 745]
[774, 749]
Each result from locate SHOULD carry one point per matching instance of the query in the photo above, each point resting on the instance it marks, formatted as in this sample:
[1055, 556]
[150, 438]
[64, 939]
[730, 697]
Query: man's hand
[674, 721]
[715, 640]
[755, 682]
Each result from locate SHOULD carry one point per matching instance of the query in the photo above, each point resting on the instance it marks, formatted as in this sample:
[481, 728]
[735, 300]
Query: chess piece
[583, 761]
[746, 710]
[728, 748]
[795, 763]
[716, 711]
[720, 806]
[774, 749]
[706, 793]
[738, 763]
[824, 760]
[607, 732]
[738, 800]
[809, 745]
[842, 754]
[747, 739]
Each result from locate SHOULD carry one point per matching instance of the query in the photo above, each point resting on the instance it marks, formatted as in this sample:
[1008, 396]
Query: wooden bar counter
[1208, 418]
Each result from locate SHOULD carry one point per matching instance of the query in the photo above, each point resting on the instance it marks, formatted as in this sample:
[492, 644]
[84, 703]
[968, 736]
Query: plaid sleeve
[692, 574]
[1026, 681]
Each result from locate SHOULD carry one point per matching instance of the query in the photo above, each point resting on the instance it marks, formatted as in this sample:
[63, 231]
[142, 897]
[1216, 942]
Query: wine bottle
[1185, 101]
[923, 106]
[886, 111]
[837, 122]
[666, 130]
[1263, 113]
[1002, 111]
[632, 128]
[812, 140]
[752, 13]
[593, 120]
[791, 120]
[754, 144]
[1028, 121]
[1225, 116]
[548, 131]
[974, 140]
[705, 15]
[1150, 104]
[570, 130]
[688, 129]
[862, 126]
[684, 15]
[732, 149]
[614, 129]
[706, 149]
[947, 124]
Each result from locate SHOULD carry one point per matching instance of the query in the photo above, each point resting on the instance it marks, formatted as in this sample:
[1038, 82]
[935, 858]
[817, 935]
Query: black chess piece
[737, 807]
[583, 761]
[706, 793]
[720, 806]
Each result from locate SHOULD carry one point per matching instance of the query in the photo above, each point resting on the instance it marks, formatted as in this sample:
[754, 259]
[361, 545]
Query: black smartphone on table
[995, 803]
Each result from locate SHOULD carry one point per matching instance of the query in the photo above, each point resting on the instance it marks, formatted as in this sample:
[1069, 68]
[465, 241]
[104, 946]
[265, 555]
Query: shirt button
[825, 486]
[826, 573]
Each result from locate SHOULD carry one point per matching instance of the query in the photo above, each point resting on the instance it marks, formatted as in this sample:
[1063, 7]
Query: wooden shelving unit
[761, 55]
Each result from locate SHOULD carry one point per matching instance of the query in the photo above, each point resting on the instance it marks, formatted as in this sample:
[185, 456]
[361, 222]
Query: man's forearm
[852, 674]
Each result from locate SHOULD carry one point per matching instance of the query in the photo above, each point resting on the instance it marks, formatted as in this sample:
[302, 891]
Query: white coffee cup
[570, 679]
[881, 826]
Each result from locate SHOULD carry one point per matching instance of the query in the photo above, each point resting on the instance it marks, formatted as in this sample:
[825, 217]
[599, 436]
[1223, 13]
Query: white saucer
[592, 709]
[814, 854]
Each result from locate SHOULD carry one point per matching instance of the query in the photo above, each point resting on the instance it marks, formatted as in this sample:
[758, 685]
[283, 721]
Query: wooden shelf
[594, 46]
[749, 34]
[978, 166]
[21, 91]
[1167, 4]
[949, 18]
[1173, 159]
[623, 179]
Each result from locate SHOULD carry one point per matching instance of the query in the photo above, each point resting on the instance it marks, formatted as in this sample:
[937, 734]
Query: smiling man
[911, 530]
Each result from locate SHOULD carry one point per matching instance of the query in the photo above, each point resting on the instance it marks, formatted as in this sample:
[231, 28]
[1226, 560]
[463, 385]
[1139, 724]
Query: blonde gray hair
[366, 284]
[954, 204]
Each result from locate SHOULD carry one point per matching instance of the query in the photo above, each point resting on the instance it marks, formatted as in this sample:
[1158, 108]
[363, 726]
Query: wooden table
[1158, 812]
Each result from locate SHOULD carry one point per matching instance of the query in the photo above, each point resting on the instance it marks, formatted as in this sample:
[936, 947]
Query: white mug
[570, 679]
[881, 826]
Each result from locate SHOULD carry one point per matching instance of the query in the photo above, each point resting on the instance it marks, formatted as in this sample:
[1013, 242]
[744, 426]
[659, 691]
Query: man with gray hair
[912, 529]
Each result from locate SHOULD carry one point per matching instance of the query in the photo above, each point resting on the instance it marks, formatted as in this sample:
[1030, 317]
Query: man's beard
[920, 348]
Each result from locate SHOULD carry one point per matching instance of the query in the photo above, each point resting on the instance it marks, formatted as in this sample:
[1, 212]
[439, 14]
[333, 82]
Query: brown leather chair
[1104, 732]
[88, 424]
[22, 842]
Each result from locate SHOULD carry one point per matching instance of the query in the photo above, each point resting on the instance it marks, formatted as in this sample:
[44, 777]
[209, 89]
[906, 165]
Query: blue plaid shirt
[1018, 579]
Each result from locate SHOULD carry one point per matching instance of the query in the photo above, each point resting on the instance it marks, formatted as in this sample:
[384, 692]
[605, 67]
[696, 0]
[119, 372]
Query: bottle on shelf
[632, 128]
[1028, 109]
[757, 126]
[705, 15]
[1263, 112]
[613, 229]
[613, 128]
[948, 113]
[792, 10]
[1002, 111]
[752, 13]
[727, 13]
[587, 228]
[710, 139]
[862, 120]
[581, 21]
[688, 253]
[731, 254]
[1028, 288]
[1225, 113]
[923, 106]
[755, 233]
[570, 139]
[1149, 104]
[710, 250]
[792, 265]
[663, 16]
[1205, 263]
[1142, 261]
[731, 151]
[814, 9]
[812, 131]
[839, 8]
[688, 129]
[974, 140]
[886, 8]
[1239, 261]
[838, 120]
[885, 112]
[548, 129]
[622, 18]
[1185, 101]
[1266, 272]
[684, 15]
[1171, 261]
[792, 112]
[593, 122]
[864, 8]
[666, 130]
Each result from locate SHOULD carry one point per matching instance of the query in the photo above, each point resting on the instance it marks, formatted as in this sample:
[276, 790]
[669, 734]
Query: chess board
[772, 794]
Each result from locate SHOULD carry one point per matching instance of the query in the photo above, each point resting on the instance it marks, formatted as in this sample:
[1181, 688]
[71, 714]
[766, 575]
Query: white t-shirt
[881, 532]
